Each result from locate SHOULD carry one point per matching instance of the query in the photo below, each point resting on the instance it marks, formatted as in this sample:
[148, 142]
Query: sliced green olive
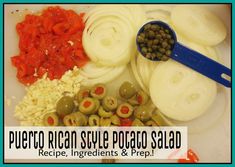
[75, 119]
[65, 106]
[127, 90]
[105, 122]
[103, 113]
[97, 105]
[137, 122]
[124, 110]
[94, 120]
[115, 120]
[87, 106]
[51, 119]
[98, 91]
[109, 103]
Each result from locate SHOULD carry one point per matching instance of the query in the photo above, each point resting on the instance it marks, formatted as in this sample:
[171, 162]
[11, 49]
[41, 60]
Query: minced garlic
[42, 96]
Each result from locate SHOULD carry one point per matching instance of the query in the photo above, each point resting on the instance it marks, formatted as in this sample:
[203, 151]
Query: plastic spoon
[193, 59]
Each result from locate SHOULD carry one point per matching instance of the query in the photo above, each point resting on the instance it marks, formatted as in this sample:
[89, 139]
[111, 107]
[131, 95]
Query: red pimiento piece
[50, 121]
[191, 157]
[139, 99]
[124, 109]
[99, 90]
[126, 122]
[87, 104]
[49, 43]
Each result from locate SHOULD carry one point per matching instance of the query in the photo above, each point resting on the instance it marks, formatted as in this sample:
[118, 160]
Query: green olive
[150, 123]
[98, 91]
[75, 119]
[94, 120]
[124, 110]
[127, 90]
[85, 92]
[115, 120]
[109, 103]
[65, 106]
[105, 121]
[51, 119]
[143, 113]
[157, 118]
[97, 105]
[141, 97]
[87, 106]
[137, 122]
[103, 113]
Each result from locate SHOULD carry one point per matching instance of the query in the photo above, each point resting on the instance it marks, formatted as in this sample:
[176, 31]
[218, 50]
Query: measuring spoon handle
[201, 64]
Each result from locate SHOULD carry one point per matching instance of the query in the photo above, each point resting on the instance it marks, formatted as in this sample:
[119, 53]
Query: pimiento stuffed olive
[125, 110]
[98, 91]
[65, 106]
[127, 90]
[87, 106]
[109, 103]
[142, 98]
[83, 93]
[51, 119]
[105, 122]
[75, 119]
[155, 42]
[143, 113]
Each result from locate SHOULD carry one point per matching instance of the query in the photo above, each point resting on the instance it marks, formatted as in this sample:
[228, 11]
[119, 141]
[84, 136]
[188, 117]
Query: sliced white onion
[198, 24]
[179, 92]
[109, 34]
[94, 73]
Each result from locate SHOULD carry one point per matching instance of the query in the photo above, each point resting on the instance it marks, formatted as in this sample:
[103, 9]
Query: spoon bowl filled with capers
[157, 41]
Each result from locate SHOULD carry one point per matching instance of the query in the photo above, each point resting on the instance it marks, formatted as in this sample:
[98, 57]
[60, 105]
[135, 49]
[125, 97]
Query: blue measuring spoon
[193, 59]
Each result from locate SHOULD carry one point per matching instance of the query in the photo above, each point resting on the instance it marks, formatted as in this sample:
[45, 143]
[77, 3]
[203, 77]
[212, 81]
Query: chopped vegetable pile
[50, 42]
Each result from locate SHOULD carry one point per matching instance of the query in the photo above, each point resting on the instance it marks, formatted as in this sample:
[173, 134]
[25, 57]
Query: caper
[164, 44]
[162, 32]
[155, 41]
[164, 58]
[158, 36]
[153, 56]
[159, 55]
[144, 50]
[142, 45]
[150, 43]
[162, 50]
[171, 41]
[154, 47]
[168, 47]
[150, 50]
[167, 31]
[142, 35]
[151, 34]
[168, 52]
[148, 55]
[65, 106]
[168, 36]
[153, 27]
[140, 39]
[147, 26]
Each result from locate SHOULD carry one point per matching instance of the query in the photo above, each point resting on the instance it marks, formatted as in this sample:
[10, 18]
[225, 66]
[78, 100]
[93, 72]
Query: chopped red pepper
[87, 104]
[126, 122]
[191, 157]
[124, 109]
[50, 42]
[99, 90]
[50, 121]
